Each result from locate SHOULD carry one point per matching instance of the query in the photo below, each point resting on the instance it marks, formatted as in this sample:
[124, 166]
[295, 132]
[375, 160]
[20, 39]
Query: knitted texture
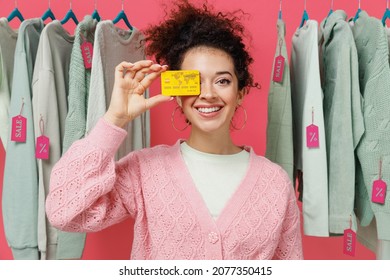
[79, 79]
[89, 192]
[388, 38]
[372, 46]
[76, 118]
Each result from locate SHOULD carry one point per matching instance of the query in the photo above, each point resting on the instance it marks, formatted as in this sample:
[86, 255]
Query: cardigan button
[213, 237]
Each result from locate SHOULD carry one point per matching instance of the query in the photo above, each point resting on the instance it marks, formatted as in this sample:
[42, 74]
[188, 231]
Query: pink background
[115, 242]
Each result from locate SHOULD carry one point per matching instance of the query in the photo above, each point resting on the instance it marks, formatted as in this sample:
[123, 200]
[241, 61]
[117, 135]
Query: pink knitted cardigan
[89, 191]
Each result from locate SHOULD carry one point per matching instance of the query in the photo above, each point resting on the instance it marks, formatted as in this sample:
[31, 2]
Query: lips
[208, 110]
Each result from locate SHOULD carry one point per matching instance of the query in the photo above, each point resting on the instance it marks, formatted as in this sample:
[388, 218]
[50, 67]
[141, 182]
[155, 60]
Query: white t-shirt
[215, 176]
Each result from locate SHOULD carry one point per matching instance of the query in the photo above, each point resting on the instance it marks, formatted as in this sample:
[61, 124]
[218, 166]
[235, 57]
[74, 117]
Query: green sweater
[374, 71]
[279, 127]
[20, 186]
[79, 79]
[343, 117]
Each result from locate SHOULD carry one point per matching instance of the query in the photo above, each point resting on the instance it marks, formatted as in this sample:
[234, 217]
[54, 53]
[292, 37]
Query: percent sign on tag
[312, 134]
[42, 146]
[379, 192]
[379, 188]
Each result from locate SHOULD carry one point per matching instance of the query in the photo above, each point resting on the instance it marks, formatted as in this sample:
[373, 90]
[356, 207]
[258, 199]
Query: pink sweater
[89, 191]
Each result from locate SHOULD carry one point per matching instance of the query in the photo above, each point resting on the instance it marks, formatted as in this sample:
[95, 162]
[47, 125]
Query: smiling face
[213, 109]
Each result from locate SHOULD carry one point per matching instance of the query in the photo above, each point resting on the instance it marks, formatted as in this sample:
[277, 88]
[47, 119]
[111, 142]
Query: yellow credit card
[180, 82]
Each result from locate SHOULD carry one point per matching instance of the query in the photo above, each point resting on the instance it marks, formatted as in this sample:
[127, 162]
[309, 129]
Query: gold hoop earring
[173, 120]
[245, 118]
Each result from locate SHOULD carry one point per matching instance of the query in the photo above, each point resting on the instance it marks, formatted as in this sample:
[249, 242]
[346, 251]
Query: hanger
[122, 16]
[70, 15]
[386, 14]
[357, 13]
[305, 16]
[331, 9]
[330, 12]
[15, 13]
[95, 14]
[280, 9]
[48, 14]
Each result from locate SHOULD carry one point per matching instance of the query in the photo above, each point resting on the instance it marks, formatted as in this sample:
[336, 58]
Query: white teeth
[209, 110]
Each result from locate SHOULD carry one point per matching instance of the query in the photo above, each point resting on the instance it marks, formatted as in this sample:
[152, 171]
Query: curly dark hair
[186, 27]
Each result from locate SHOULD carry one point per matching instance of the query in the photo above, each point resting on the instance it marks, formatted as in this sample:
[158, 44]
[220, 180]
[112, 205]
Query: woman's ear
[240, 95]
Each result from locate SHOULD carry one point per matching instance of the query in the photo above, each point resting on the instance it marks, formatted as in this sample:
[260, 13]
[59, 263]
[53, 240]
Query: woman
[202, 198]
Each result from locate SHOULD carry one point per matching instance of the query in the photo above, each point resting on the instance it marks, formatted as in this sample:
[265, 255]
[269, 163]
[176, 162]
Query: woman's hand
[131, 81]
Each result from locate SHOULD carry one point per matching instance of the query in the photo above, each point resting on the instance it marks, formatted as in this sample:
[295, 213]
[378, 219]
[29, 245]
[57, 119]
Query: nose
[207, 91]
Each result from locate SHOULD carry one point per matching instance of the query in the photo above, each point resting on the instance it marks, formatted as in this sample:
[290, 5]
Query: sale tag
[379, 189]
[349, 242]
[18, 130]
[278, 69]
[87, 53]
[175, 83]
[312, 137]
[42, 147]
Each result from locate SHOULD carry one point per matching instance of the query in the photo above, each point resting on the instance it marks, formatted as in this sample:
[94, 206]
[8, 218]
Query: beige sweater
[112, 46]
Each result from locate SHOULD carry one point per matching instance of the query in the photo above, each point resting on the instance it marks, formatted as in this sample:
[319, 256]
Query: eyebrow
[223, 72]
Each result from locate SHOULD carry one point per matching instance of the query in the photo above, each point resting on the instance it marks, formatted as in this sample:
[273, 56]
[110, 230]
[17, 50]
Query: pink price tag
[87, 53]
[42, 147]
[312, 136]
[349, 242]
[278, 69]
[379, 189]
[18, 131]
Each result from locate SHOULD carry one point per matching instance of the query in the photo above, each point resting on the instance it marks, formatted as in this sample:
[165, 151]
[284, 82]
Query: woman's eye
[224, 81]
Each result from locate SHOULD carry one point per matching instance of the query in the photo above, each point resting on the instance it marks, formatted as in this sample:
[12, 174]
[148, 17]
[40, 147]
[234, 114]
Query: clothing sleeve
[75, 122]
[88, 190]
[290, 241]
[308, 105]
[96, 105]
[43, 82]
[343, 124]
[279, 136]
